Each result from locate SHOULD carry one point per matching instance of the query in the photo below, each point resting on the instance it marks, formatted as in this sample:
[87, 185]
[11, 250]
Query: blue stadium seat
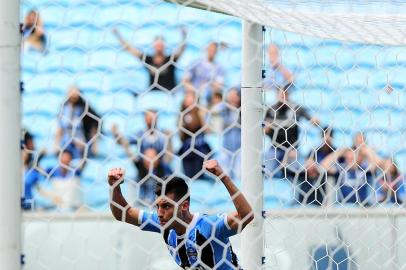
[392, 57]
[396, 77]
[192, 16]
[53, 15]
[168, 121]
[400, 159]
[215, 141]
[114, 118]
[108, 146]
[353, 97]
[48, 161]
[346, 118]
[282, 38]
[395, 141]
[133, 80]
[46, 82]
[201, 34]
[40, 125]
[64, 38]
[74, 61]
[296, 57]
[157, 100]
[278, 192]
[52, 62]
[233, 77]
[379, 78]
[386, 119]
[85, 38]
[358, 77]
[81, 15]
[163, 13]
[143, 36]
[124, 60]
[102, 60]
[29, 61]
[230, 33]
[199, 190]
[47, 104]
[190, 56]
[367, 56]
[95, 195]
[91, 81]
[328, 56]
[314, 98]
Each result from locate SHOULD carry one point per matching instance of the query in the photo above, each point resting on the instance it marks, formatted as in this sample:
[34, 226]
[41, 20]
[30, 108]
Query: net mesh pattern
[154, 88]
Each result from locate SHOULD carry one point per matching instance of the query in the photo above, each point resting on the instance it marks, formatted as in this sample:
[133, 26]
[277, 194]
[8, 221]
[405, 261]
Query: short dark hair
[328, 130]
[67, 151]
[175, 185]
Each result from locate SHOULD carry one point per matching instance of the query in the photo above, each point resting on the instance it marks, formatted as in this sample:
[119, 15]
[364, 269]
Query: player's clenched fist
[116, 175]
[213, 167]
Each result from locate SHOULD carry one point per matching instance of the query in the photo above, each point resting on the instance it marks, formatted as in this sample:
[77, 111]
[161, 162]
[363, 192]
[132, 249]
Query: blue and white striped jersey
[205, 245]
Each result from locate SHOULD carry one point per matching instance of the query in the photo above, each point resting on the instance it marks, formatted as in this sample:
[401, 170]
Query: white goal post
[10, 159]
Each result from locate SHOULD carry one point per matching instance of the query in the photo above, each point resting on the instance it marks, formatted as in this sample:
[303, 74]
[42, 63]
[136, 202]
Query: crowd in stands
[357, 175]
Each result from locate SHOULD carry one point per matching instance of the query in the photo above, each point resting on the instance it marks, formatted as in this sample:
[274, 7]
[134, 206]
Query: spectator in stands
[281, 125]
[160, 66]
[230, 154]
[215, 119]
[150, 137]
[326, 148]
[33, 32]
[192, 134]
[65, 182]
[390, 184]
[278, 75]
[205, 76]
[309, 181]
[353, 170]
[32, 174]
[78, 126]
[150, 167]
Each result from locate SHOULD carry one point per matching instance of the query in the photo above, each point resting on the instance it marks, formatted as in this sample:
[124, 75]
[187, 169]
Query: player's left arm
[244, 214]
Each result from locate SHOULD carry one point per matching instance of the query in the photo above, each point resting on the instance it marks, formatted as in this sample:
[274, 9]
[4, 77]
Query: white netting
[375, 22]
[155, 88]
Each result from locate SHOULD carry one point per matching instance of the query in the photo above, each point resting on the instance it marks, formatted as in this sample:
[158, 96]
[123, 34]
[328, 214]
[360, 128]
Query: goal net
[302, 103]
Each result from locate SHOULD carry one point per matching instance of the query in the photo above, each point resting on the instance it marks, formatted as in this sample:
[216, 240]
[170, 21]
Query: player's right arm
[134, 51]
[120, 209]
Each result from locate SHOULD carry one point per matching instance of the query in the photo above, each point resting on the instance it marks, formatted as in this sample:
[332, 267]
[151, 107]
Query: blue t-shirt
[353, 184]
[394, 193]
[205, 244]
[147, 139]
[57, 173]
[31, 179]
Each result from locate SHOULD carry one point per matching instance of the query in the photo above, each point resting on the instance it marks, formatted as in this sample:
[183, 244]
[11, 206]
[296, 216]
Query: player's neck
[180, 228]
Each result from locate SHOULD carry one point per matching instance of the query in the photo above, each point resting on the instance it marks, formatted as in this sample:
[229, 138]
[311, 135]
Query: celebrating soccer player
[195, 241]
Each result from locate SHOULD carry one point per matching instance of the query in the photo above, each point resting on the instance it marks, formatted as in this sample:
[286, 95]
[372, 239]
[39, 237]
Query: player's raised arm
[121, 210]
[244, 215]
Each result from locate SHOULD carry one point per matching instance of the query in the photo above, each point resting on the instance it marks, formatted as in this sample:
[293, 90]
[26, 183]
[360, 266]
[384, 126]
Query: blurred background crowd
[161, 103]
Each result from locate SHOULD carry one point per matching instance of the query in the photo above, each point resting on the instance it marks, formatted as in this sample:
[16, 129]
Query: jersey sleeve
[149, 222]
[223, 229]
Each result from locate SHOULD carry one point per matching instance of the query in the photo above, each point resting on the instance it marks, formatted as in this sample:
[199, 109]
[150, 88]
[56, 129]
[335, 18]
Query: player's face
[165, 206]
[167, 211]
